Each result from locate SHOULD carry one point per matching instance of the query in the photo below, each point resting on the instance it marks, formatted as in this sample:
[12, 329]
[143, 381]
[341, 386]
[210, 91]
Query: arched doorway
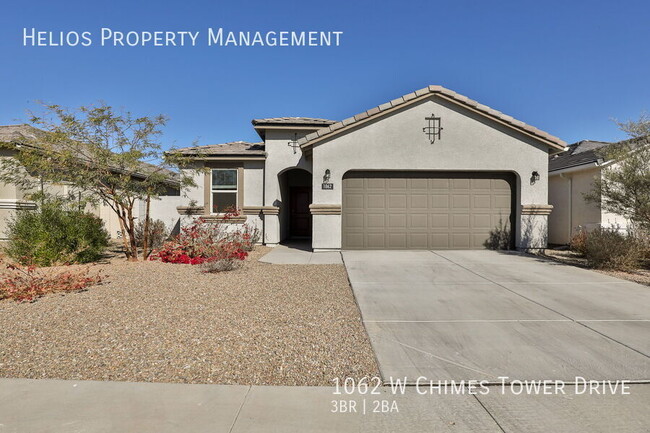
[296, 192]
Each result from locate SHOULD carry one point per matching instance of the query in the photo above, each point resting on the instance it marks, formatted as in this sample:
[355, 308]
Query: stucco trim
[239, 219]
[325, 209]
[252, 210]
[17, 204]
[190, 210]
[536, 209]
[270, 210]
[412, 98]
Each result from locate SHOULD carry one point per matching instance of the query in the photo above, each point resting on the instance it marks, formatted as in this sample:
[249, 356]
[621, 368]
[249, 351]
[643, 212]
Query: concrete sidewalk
[300, 253]
[53, 406]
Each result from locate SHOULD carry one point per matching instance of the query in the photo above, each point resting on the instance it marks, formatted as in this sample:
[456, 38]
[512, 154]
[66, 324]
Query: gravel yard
[640, 276]
[156, 322]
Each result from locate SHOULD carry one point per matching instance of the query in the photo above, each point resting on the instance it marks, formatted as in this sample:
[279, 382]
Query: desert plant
[499, 238]
[26, 283]
[578, 242]
[207, 241]
[55, 233]
[608, 248]
[158, 234]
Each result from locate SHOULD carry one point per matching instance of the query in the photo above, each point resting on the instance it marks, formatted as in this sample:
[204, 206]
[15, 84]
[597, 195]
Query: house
[13, 197]
[429, 170]
[571, 176]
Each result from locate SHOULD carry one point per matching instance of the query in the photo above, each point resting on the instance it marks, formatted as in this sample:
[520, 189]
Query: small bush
[499, 237]
[214, 244]
[158, 234]
[55, 233]
[609, 249]
[26, 283]
[578, 242]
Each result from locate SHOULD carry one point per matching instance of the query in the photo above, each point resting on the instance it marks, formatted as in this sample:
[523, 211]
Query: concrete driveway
[484, 314]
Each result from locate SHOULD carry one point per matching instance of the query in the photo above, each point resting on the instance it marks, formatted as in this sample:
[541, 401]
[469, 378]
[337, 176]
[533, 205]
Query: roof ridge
[433, 90]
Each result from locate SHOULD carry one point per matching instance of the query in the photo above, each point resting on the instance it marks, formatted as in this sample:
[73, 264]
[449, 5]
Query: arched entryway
[296, 192]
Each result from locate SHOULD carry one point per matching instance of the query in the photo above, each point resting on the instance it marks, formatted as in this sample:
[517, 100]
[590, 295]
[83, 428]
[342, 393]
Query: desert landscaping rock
[261, 324]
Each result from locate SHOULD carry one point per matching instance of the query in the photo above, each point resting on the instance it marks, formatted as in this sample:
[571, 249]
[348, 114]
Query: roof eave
[328, 132]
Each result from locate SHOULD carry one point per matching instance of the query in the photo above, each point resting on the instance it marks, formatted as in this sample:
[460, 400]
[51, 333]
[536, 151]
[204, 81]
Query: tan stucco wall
[571, 210]
[469, 143]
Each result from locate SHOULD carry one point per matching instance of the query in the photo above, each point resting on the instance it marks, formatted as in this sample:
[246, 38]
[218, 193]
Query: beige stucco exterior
[470, 142]
[571, 211]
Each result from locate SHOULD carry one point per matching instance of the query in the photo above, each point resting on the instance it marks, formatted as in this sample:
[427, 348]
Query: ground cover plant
[26, 283]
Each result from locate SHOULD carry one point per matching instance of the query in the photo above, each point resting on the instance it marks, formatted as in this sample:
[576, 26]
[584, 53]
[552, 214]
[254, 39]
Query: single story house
[571, 176]
[429, 170]
[13, 197]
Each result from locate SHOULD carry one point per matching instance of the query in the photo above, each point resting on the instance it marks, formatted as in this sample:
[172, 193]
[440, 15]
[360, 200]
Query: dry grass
[156, 322]
[641, 276]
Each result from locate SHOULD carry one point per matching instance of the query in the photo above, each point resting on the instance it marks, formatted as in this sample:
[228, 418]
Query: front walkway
[59, 406]
[300, 253]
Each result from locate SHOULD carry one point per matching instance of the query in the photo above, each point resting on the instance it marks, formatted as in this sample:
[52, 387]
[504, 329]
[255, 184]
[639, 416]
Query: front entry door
[299, 214]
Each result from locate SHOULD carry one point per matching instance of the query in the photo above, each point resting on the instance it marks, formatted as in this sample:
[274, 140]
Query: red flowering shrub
[26, 283]
[207, 242]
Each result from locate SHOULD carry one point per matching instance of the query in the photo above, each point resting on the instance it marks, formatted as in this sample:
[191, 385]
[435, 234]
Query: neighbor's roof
[580, 153]
[235, 148]
[418, 95]
[28, 135]
[18, 133]
[300, 121]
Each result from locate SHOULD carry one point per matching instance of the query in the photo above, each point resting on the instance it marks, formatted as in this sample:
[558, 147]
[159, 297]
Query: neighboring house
[571, 176]
[12, 197]
[431, 169]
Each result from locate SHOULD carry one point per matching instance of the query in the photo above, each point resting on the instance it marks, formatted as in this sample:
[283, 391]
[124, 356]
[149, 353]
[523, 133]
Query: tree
[104, 155]
[624, 185]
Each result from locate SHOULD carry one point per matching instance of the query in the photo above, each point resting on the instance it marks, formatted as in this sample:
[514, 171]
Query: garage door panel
[423, 210]
[375, 221]
[397, 220]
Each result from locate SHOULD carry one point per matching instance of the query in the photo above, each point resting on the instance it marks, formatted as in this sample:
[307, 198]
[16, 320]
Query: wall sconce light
[294, 143]
[433, 128]
[534, 177]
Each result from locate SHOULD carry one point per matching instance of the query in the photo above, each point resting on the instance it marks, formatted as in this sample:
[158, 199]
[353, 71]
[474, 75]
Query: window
[224, 190]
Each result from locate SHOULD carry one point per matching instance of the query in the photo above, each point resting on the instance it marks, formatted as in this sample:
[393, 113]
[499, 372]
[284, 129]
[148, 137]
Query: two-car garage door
[424, 210]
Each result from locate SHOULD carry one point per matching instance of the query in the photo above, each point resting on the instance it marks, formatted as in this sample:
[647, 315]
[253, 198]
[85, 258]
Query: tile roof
[306, 121]
[230, 149]
[28, 135]
[420, 94]
[18, 133]
[581, 153]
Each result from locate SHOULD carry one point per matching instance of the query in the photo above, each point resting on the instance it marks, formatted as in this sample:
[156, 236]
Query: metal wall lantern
[433, 129]
[534, 177]
[294, 143]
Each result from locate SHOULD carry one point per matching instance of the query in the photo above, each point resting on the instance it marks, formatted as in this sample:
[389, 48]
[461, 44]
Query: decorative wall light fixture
[433, 128]
[294, 143]
[534, 177]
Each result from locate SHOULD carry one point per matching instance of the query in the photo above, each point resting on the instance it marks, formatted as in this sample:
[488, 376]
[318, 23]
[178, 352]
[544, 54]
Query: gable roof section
[232, 149]
[581, 153]
[292, 121]
[336, 128]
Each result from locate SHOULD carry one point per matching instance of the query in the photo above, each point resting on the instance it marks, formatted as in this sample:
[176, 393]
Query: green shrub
[55, 234]
[610, 249]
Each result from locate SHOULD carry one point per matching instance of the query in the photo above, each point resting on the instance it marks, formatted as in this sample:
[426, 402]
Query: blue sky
[566, 67]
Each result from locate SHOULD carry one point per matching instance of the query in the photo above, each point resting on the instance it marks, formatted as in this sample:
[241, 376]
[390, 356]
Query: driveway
[484, 314]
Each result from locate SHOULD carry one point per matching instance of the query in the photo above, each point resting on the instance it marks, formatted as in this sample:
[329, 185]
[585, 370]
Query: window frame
[214, 190]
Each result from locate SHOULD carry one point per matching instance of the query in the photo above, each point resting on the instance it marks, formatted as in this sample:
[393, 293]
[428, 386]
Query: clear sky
[566, 67]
